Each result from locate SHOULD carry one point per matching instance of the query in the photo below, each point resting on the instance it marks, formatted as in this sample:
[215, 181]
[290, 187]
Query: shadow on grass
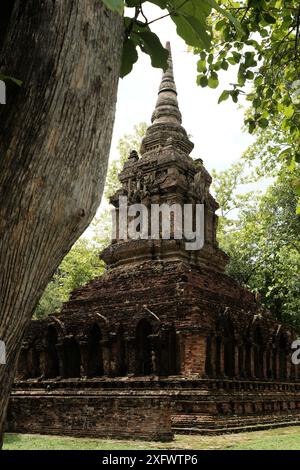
[12, 438]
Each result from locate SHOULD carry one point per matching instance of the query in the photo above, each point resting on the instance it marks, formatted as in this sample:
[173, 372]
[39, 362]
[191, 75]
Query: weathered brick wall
[194, 350]
[116, 417]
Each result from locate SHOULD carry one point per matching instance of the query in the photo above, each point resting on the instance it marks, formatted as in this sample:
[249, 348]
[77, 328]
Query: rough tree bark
[55, 135]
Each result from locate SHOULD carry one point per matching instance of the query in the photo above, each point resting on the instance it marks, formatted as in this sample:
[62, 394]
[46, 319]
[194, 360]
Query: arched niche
[120, 353]
[282, 356]
[229, 347]
[143, 349]
[169, 352]
[51, 355]
[95, 352]
[33, 361]
[72, 358]
[258, 347]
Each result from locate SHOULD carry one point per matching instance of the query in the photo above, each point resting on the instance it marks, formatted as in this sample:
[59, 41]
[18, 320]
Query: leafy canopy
[260, 231]
[266, 57]
[191, 18]
[127, 143]
[80, 265]
[263, 244]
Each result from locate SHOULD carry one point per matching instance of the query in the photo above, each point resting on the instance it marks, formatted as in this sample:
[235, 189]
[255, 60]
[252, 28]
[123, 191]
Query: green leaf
[132, 3]
[259, 80]
[263, 123]
[6, 78]
[115, 5]
[241, 79]
[231, 60]
[234, 95]
[249, 59]
[160, 3]
[224, 96]
[202, 80]
[220, 24]
[237, 56]
[269, 93]
[201, 66]
[269, 18]
[213, 82]
[228, 15]
[190, 18]
[264, 33]
[129, 57]
[152, 46]
[288, 111]
[252, 126]
[256, 103]
[224, 65]
[285, 154]
[249, 75]
[193, 31]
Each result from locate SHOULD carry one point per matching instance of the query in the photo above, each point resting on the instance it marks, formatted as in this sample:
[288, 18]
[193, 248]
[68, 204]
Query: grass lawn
[275, 439]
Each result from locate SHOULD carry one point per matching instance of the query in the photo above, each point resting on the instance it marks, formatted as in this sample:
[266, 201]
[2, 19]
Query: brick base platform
[84, 414]
[147, 408]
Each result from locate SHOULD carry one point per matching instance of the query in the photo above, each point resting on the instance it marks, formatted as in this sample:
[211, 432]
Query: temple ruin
[165, 341]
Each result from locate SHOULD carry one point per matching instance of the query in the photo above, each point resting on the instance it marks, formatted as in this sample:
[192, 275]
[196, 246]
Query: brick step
[232, 430]
[228, 420]
[201, 424]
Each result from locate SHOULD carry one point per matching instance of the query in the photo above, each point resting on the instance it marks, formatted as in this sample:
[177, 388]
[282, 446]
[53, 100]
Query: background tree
[260, 232]
[126, 144]
[82, 263]
[265, 53]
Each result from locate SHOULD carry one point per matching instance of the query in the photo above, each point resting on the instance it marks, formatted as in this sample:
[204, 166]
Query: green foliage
[6, 78]
[191, 18]
[265, 54]
[126, 144]
[82, 263]
[115, 5]
[141, 35]
[261, 232]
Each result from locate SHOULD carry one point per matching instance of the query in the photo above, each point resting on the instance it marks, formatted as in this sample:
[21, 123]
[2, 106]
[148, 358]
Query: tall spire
[166, 128]
[167, 109]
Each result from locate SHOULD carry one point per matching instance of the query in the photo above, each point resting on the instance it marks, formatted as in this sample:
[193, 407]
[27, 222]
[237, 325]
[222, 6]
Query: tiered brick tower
[165, 337]
[166, 174]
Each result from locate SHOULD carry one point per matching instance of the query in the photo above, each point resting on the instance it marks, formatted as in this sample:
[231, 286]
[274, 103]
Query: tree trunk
[55, 135]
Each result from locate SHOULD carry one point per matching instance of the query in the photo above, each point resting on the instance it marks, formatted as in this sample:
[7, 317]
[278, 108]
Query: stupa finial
[167, 109]
[166, 128]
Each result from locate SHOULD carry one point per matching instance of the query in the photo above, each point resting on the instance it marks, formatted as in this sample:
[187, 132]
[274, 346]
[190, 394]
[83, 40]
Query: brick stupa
[165, 340]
